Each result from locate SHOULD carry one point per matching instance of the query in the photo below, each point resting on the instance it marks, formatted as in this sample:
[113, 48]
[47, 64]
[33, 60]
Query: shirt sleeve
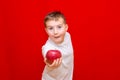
[46, 47]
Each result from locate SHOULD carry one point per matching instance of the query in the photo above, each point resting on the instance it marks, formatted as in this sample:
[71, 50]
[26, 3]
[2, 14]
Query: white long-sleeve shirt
[65, 70]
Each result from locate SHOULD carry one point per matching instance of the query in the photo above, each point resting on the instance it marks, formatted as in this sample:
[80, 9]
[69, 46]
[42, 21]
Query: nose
[55, 31]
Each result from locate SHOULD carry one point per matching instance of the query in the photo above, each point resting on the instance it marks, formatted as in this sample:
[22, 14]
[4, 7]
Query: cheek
[63, 32]
[50, 35]
[49, 32]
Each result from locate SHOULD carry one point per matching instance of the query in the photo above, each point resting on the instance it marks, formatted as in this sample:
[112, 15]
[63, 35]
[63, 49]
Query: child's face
[56, 30]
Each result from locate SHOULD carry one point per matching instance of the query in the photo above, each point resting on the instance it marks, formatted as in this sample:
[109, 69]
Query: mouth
[56, 36]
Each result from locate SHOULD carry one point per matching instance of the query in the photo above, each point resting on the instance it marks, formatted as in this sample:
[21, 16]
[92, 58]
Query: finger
[60, 61]
[57, 62]
[53, 64]
[45, 60]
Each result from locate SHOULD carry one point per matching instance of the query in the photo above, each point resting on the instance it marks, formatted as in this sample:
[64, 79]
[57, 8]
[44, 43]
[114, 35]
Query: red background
[94, 27]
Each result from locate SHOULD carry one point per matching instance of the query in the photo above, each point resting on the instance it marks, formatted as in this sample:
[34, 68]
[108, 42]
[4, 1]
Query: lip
[56, 36]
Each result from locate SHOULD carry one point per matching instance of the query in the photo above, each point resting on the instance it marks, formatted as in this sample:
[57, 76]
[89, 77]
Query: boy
[59, 39]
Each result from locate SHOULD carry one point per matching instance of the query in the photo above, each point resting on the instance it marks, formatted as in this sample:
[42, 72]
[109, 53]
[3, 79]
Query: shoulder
[67, 33]
[67, 36]
[47, 46]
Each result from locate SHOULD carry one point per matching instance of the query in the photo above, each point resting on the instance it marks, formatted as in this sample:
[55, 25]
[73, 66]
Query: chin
[58, 42]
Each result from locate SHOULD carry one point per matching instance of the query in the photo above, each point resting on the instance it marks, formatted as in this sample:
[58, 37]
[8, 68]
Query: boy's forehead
[55, 22]
[56, 19]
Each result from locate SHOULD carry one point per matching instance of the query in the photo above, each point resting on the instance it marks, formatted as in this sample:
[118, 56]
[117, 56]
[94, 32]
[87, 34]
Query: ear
[46, 30]
[66, 27]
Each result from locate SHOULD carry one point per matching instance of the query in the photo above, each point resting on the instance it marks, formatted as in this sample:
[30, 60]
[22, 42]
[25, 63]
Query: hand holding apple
[53, 55]
[55, 64]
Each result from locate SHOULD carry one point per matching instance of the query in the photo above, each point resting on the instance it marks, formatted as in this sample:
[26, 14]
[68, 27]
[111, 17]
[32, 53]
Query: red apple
[52, 55]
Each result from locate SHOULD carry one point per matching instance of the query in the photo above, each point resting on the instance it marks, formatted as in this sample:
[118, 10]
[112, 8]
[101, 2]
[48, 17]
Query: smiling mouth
[57, 37]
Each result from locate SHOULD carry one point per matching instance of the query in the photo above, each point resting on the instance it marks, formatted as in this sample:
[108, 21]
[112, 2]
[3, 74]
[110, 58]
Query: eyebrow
[59, 24]
[55, 25]
[49, 26]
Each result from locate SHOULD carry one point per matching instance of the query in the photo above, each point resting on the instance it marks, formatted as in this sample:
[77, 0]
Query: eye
[50, 28]
[59, 26]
